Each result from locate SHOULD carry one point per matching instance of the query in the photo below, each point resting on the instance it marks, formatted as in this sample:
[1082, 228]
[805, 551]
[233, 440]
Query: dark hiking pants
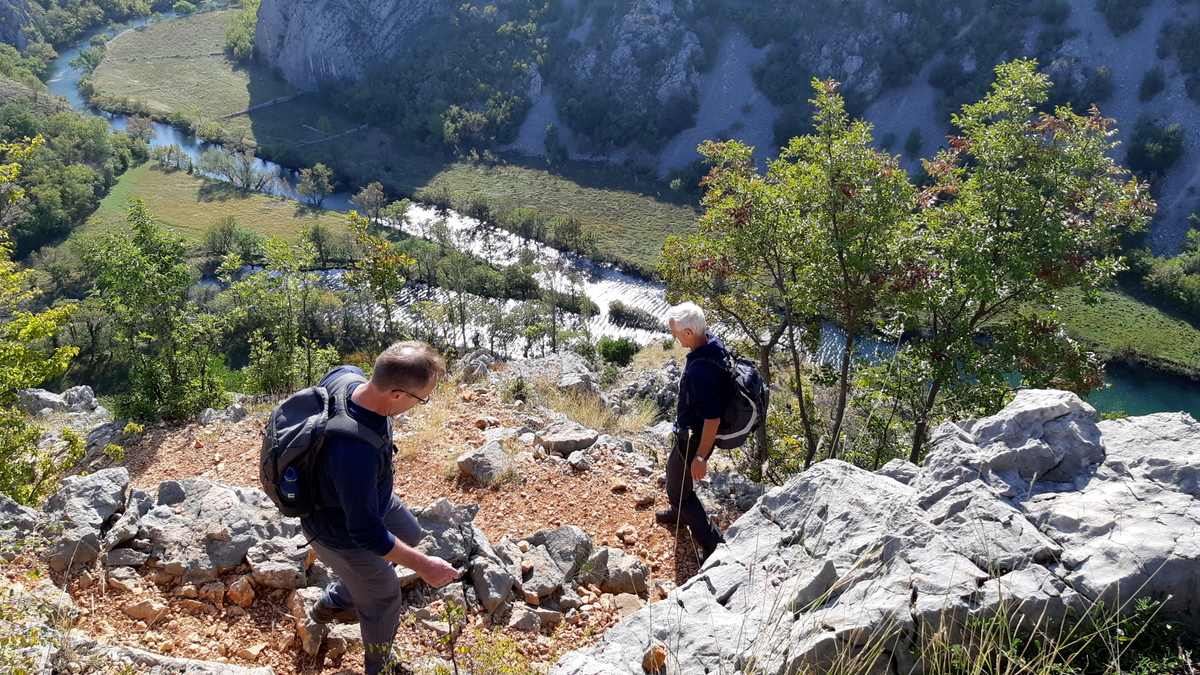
[683, 497]
[368, 584]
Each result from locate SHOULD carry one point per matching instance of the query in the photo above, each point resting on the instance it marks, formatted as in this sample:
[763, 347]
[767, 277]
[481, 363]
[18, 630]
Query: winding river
[1135, 391]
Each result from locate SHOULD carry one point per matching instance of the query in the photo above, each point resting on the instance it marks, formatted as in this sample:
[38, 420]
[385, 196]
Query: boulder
[201, 529]
[615, 571]
[279, 562]
[40, 402]
[241, 592]
[450, 532]
[474, 367]
[730, 491]
[80, 512]
[310, 633]
[553, 559]
[565, 438]
[1039, 508]
[18, 526]
[125, 557]
[900, 470]
[484, 465]
[524, 619]
[660, 387]
[493, 584]
[580, 460]
[146, 610]
[80, 399]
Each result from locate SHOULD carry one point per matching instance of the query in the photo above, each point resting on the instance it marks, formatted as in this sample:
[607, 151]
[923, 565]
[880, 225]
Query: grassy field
[1123, 327]
[189, 206]
[177, 67]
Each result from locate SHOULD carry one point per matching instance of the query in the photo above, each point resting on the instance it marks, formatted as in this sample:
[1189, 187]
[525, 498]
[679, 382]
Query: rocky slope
[1038, 508]
[15, 16]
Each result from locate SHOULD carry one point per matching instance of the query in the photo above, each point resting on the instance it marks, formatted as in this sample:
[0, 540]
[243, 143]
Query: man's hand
[437, 572]
[699, 468]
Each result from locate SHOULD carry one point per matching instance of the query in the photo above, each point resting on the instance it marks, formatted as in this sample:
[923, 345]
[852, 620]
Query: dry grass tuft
[425, 426]
[591, 412]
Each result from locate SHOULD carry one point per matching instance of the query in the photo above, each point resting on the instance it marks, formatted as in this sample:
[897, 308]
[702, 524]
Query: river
[1130, 390]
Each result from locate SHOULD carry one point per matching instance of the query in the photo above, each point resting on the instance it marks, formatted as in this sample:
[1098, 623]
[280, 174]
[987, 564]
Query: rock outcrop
[319, 41]
[1038, 509]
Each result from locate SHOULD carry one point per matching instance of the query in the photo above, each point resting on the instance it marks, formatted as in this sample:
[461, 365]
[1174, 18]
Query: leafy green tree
[372, 201]
[913, 143]
[397, 212]
[239, 34]
[279, 307]
[227, 236]
[617, 351]
[238, 167]
[183, 7]
[142, 280]
[316, 184]
[380, 274]
[1023, 205]
[1154, 148]
[28, 358]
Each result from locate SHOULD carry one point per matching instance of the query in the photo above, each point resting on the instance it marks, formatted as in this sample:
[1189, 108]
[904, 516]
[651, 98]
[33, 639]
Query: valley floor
[177, 67]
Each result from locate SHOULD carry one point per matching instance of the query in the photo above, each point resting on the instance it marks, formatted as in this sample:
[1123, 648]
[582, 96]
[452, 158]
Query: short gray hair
[688, 315]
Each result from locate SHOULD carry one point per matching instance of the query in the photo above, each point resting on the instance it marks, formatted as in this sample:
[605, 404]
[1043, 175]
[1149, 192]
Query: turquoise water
[1139, 391]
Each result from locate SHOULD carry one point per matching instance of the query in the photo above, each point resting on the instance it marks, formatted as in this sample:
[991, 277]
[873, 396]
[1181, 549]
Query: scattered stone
[342, 638]
[564, 438]
[484, 465]
[628, 534]
[310, 633]
[493, 584]
[197, 608]
[627, 604]
[145, 610]
[123, 580]
[253, 652]
[79, 511]
[482, 423]
[644, 501]
[654, 660]
[213, 593]
[615, 571]
[525, 620]
[279, 562]
[187, 591]
[580, 461]
[620, 488]
[548, 618]
[441, 628]
[125, 557]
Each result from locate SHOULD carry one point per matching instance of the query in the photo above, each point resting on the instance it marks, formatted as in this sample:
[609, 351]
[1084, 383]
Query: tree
[140, 128]
[372, 201]
[316, 184]
[163, 340]
[1154, 148]
[913, 143]
[854, 205]
[381, 274]
[28, 357]
[239, 34]
[396, 213]
[1023, 204]
[278, 308]
[238, 167]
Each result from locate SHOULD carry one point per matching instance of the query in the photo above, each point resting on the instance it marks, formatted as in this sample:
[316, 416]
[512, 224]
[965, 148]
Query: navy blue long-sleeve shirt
[355, 483]
[704, 389]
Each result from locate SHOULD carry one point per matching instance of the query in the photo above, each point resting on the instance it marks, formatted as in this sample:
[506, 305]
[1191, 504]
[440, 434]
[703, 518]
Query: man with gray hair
[704, 392]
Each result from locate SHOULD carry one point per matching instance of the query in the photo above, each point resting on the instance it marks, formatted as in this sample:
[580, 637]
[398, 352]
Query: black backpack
[294, 436]
[747, 408]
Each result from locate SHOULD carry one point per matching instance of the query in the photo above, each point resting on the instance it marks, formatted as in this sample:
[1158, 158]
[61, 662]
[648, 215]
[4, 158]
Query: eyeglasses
[424, 401]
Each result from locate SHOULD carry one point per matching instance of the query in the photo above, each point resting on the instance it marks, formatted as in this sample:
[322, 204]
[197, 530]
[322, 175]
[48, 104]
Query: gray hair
[688, 315]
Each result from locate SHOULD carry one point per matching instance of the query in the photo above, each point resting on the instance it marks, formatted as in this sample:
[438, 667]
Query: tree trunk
[762, 454]
[843, 393]
[922, 428]
[810, 437]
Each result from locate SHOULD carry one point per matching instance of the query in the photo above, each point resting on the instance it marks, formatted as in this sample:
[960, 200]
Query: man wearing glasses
[362, 528]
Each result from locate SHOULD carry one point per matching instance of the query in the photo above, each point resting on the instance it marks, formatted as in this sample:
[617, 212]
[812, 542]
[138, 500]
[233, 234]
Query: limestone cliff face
[15, 15]
[312, 42]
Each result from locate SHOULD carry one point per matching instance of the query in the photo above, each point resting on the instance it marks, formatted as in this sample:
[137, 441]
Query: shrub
[632, 317]
[1152, 83]
[1122, 16]
[619, 351]
[1154, 148]
[913, 143]
[183, 7]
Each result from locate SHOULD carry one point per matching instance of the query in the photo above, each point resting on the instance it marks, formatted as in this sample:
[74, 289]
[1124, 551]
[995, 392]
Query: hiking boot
[666, 517]
[322, 614]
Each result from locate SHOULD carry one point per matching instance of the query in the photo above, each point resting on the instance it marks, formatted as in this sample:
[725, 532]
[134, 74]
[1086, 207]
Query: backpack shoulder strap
[340, 422]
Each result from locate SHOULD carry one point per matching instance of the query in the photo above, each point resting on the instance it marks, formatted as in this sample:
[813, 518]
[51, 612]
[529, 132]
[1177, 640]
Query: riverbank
[176, 72]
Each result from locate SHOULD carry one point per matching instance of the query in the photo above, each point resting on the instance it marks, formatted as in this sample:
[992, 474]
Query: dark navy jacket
[355, 483]
[705, 389]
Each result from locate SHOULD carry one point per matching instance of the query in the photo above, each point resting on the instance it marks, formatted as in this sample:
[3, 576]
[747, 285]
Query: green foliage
[1154, 148]
[913, 143]
[517, 389]
[633, 317]
[239, 34]
[1175, 282]
[1154, 81]
[29, 356]
[617, 351]
[183, 7]
[380, 274]
[226, 237]
[160, 336]
[1122, 16]
[238, 167]
[462, 82]
[58, 22]
[372, 201]
[64, 179]
[316, 184]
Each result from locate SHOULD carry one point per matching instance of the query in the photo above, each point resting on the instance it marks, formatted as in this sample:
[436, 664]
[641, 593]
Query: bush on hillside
[1152, 83]
[618, 351]
[1154, 148]
[1122, 16]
